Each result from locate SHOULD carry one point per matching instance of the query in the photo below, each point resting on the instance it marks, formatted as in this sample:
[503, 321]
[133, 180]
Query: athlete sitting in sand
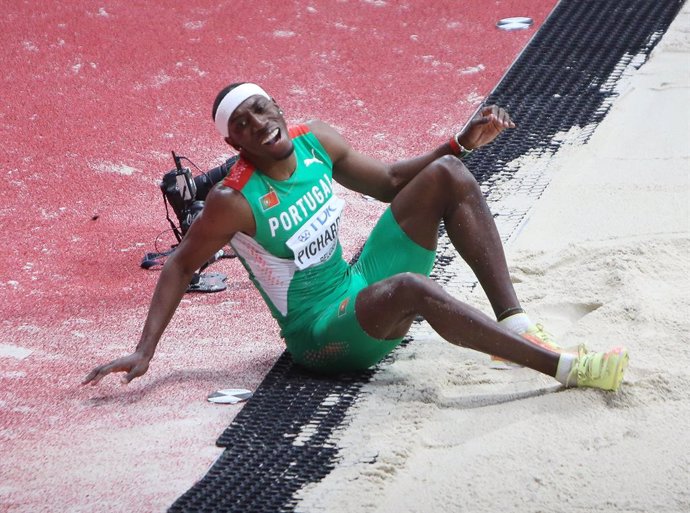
[278, 210]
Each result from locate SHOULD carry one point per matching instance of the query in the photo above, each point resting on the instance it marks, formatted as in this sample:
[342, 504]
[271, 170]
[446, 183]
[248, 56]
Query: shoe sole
[500, 364]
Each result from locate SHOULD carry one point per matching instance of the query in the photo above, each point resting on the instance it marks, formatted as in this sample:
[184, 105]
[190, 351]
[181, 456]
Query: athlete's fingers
[127, 378]
[484, 120]
[89, 376]
[488, 110]
[498, 115]
[134, 373]
[504, 117]
[96, 375]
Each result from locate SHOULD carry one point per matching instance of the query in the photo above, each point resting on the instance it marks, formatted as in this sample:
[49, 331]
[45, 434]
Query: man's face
[258, 127]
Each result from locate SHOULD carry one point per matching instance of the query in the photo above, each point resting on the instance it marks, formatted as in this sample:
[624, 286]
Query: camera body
[186, 193]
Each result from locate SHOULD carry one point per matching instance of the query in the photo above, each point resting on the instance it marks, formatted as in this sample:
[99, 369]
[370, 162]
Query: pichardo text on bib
[316, 241]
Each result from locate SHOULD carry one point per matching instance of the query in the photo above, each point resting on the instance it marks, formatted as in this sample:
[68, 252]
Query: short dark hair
[221, 95]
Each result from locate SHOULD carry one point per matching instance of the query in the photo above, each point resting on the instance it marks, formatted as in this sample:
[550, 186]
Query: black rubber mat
[565, 78]
[277, 443]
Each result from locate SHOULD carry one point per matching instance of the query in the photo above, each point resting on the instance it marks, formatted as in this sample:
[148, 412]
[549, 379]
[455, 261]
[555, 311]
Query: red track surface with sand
[95, 95]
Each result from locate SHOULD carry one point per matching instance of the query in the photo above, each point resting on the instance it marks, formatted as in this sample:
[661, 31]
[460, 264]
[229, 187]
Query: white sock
[565, 365]
[518, 323]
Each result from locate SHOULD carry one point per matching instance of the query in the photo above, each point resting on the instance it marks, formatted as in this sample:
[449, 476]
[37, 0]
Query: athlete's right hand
[135, 365]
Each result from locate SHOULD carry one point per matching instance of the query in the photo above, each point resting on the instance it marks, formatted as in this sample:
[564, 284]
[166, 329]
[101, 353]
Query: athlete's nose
[255, 120]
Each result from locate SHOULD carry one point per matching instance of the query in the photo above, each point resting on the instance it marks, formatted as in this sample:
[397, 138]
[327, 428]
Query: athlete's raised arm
[382, 181]
[225, 213]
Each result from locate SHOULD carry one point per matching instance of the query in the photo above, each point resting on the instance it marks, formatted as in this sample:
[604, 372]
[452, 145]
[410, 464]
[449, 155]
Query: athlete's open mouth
[272, 137]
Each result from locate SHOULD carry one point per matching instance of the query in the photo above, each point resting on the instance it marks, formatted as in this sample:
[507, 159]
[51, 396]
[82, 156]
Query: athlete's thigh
[426, 199]
[336, 342]
[389, 251]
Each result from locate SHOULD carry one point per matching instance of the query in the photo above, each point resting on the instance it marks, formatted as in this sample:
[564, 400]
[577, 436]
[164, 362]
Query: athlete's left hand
[485, 126]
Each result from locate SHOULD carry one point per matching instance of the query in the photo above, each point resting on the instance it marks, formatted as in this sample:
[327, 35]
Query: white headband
[231, 101]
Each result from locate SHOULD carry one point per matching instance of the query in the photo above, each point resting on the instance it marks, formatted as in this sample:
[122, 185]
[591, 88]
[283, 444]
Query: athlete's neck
[276, 169]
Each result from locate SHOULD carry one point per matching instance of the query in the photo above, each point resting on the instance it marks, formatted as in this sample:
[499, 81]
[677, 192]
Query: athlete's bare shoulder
[334, 143]
[225, 194]
[228, 207]
[319, 127]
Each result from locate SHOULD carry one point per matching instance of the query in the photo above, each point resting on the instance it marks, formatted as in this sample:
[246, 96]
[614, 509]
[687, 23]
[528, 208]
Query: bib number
[316, 240]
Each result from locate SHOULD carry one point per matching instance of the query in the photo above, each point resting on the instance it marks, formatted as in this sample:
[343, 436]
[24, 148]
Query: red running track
[95, 95]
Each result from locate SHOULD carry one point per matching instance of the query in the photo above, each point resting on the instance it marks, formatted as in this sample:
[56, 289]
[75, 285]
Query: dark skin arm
[225, 213]
[382, 181]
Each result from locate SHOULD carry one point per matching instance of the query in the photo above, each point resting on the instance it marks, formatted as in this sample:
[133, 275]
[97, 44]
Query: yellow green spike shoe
[537, 334]
[599, 370]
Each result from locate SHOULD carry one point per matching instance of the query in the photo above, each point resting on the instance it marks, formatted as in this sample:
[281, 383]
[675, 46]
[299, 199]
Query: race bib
[317, 239]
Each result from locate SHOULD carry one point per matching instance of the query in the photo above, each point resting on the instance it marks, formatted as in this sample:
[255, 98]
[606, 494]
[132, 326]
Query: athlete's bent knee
[410, 287]
[449, 172]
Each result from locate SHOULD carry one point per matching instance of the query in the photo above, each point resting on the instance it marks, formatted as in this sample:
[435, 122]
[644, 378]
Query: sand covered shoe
[535, 334]
[599, 370]
[538, 334]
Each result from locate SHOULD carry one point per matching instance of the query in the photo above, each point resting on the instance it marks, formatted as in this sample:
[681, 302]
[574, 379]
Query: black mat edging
[283, 437]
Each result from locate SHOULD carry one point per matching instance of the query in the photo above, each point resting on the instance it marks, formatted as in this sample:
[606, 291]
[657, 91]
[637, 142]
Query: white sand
[604, 258]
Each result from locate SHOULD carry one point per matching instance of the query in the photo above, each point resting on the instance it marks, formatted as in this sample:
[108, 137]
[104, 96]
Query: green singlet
[295, 259]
